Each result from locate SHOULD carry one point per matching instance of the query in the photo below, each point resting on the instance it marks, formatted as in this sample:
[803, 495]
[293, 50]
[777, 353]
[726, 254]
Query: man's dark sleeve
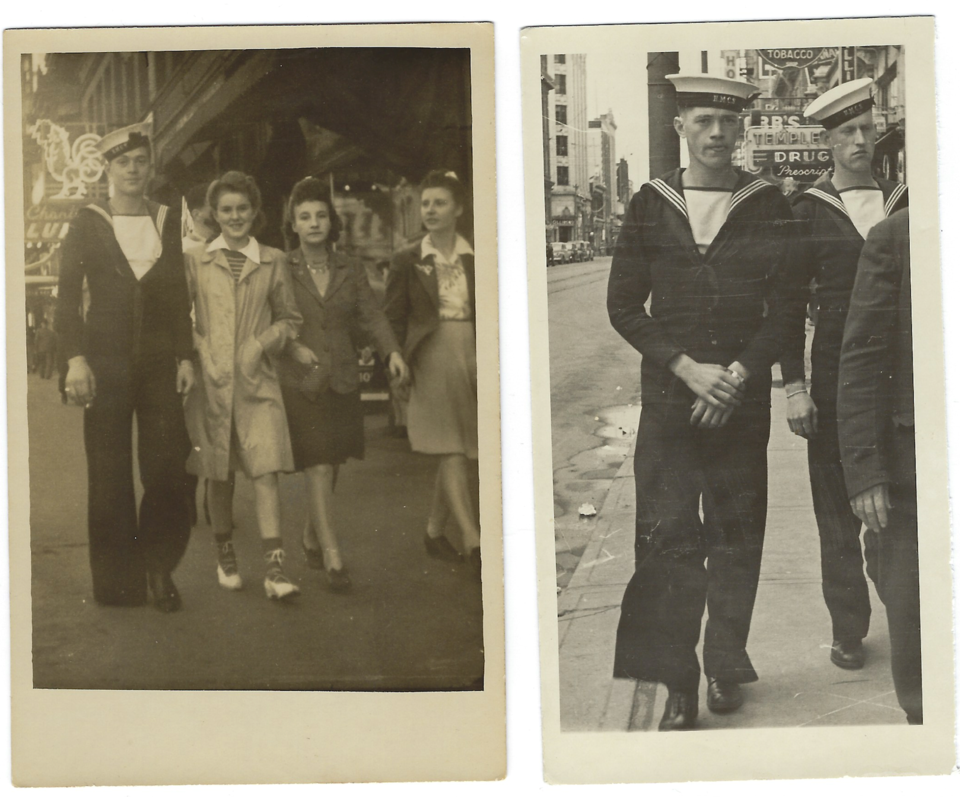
[764, 347]
[798, 272]
[183, 330]
[866, 360]
[68, 319]
[629, 288]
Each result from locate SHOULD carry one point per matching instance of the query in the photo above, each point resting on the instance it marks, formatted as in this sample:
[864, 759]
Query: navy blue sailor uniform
[717, 306]
[134, 333]
[828, 249]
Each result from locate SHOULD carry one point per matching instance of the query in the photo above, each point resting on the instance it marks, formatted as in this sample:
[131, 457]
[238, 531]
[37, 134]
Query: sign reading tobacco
[796, 57]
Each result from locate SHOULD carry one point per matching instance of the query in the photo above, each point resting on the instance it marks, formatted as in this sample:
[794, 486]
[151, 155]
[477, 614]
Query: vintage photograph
[726, 265]
[251, 321]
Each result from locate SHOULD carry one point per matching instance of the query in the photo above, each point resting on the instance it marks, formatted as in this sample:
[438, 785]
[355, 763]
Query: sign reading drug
[790, 151]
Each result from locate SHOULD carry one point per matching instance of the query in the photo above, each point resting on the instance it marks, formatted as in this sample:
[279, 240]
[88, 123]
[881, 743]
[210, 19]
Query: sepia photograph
[254, 282]
[723, 306]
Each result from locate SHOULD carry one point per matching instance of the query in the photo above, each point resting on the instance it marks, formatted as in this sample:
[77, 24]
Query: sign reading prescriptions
[796, 57]
[788, 151]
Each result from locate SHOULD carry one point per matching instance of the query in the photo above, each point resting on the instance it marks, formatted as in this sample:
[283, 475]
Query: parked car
[584, 251]
[563, 252]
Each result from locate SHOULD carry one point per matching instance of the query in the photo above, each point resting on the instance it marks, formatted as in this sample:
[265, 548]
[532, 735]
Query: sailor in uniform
[833, 220]
[875, 411]
[129, 355]
[705, 244]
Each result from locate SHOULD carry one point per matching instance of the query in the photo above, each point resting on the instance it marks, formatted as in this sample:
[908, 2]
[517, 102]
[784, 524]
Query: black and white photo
[730, 451]
[255, 282]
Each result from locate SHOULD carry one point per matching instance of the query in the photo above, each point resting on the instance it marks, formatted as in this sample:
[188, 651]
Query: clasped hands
[719, 390]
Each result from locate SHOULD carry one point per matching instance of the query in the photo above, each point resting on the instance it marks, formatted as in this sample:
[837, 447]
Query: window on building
[563, 175]
[561, 84]
[559, 59]
[562, 114]
[561, 145]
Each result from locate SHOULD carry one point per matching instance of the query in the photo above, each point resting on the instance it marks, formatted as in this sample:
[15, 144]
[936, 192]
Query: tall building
[570, 194]
[546, 86]
[603, 167]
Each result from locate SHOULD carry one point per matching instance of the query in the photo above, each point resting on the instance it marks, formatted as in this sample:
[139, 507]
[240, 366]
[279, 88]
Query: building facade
[602, 146]
[570, 211]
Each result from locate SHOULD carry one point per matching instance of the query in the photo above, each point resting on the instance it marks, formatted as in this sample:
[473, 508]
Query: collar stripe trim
[670, 195]
[894, 197]
[161, 218]
[830, 200]
[748, 191]
[102, 212]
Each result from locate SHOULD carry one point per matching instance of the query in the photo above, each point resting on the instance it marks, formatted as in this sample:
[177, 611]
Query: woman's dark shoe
[440, 548]
[314, 557]
[723, 696]
[339, 580]
[848, 655]
[165, 596]
[680, 713]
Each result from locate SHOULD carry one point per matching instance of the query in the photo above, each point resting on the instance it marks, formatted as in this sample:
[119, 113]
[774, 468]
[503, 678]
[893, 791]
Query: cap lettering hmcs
[841, 103]
[709, 91]
[117, 142]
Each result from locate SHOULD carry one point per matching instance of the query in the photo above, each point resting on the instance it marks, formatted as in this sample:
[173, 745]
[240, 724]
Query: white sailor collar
[462, 247]
[251, 250]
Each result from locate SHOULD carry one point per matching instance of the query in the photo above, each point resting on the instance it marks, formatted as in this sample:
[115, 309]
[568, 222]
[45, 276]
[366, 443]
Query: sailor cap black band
[848, 113]
[134, 141]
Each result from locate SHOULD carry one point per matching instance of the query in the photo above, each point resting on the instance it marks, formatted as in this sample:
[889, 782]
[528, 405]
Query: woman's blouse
[452, 286]
[236, 258]
[139, 241]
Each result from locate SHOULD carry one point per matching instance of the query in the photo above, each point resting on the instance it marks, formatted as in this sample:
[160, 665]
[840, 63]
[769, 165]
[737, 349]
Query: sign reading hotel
[790, 151]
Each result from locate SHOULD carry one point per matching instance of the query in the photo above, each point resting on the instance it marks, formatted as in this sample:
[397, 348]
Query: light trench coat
[240, 330]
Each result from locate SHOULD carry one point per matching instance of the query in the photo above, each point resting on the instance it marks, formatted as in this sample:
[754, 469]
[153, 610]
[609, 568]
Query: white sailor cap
[117, 142]
[846, 101]
[709, 91]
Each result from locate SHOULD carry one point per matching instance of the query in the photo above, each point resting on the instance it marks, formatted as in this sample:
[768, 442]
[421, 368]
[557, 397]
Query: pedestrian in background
[129, 356]
[46, 349]
[202, 227]
[706, 243]
[431, 305]
[245, 315]
[875, 409]
[320, 377]
[833, 219]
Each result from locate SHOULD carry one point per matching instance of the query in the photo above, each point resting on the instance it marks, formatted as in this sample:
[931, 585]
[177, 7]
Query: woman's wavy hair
[310, 189]
[443, 178]
[234, 182]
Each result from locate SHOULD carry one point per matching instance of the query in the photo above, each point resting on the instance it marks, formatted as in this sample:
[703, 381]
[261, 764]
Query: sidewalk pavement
[410, 622]
[790, 636]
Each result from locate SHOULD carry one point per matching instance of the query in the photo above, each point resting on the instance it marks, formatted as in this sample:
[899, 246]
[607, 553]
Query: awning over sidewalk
[410, 107]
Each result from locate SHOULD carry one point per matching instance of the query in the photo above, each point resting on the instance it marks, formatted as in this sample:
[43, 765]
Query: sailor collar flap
[670, 188]
[825, 192]
[101, 208]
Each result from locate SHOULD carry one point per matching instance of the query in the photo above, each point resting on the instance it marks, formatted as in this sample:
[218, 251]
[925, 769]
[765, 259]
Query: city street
[410, 623]
[595, 409]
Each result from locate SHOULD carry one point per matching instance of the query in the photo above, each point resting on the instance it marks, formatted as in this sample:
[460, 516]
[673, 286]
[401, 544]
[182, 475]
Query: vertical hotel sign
[848, 64]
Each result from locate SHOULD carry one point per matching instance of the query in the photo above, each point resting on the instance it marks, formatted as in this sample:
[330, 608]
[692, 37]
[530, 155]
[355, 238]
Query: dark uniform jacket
[127, 318]
[335, 324]
[876, 363]
[827, 249]
[719, 307]
[413, 297]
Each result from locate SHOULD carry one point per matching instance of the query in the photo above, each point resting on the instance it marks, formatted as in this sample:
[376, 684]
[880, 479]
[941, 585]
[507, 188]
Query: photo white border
[607, 757]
